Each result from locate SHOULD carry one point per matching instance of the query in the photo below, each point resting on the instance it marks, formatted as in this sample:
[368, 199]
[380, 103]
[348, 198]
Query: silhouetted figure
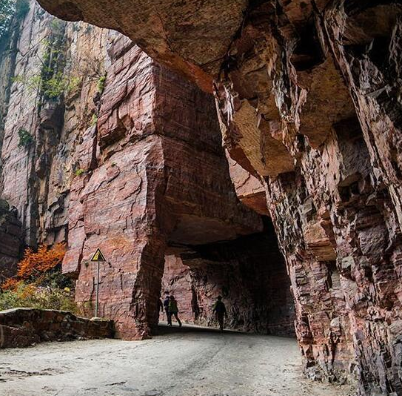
[220, 312]
[160, 306]
[166, 302]
[173, 311]
[14, 211]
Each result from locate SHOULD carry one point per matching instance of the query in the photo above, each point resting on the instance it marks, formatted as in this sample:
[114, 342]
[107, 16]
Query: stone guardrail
[22, 327]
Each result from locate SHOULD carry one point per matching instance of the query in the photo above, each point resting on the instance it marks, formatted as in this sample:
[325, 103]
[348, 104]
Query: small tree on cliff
[38, 267]
[39, 282]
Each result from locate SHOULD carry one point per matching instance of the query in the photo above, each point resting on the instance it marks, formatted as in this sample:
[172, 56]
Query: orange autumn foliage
[10, 284]
[36, 263]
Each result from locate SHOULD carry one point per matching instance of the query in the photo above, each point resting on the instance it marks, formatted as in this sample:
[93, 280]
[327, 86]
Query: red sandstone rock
[308, 95]
[161, 177]
[250, 275]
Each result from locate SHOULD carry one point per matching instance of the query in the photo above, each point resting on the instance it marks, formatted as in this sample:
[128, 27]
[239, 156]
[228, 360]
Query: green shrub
[55, 86]
[101, 84]
[94, 119]
[52, 87]
[79, 172]
[42, 297]
[26, 139]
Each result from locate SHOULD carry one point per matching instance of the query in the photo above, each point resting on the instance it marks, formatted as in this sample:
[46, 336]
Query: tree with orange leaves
[39, 282]
[35, 264]
[45, 259]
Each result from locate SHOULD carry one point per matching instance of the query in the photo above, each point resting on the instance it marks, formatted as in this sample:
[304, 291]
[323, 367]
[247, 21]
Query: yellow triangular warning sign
[98, 256]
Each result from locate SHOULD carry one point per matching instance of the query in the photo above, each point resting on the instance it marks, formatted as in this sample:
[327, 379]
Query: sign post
[97, 258]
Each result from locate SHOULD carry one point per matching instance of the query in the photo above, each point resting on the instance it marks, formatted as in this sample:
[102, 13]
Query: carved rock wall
[308, 94]
[249, 273]
[158, 176]
[123, 155]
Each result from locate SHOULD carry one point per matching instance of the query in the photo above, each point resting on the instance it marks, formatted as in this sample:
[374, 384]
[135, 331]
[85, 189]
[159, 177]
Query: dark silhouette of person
[14, 211]
[160, 306]
[173, 311]
[220, 311]
[166, 306]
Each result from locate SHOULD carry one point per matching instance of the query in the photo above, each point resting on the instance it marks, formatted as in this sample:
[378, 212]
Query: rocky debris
[11, 241]
[22, 327]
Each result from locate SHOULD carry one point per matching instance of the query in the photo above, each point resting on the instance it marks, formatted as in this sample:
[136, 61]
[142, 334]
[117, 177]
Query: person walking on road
[166, 302]
[160, 306]
[220, 312]
[173, 311]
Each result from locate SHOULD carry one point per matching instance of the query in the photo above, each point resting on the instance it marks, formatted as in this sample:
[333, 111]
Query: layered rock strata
[107, 149]
[155, 175]
[52, 81]
[309, 98]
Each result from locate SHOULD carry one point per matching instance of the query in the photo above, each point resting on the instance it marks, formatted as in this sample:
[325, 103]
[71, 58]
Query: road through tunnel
[172, 186]
[250, 275]
[163, 191]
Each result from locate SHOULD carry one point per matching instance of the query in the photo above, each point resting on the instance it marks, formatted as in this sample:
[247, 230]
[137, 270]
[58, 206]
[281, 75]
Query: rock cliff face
[10, 241]
[105, 148]
[156, 175]
[309, 99]
[309, 96]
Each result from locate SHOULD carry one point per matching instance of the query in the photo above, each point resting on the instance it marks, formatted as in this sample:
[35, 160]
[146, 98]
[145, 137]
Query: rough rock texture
[159, 176]
[126, 157]
[10, 241]
[249, 273]
[249, 188]
[36, 177]
[309, 95]
[23, 327]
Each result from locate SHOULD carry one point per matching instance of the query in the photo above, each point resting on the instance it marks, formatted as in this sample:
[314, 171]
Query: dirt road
[194, 363]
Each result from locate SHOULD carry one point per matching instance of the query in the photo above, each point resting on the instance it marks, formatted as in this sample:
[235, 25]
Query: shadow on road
[163, 329]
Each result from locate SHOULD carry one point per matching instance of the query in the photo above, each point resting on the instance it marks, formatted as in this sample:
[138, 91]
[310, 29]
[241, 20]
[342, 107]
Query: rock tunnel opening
[248, 272]
[131, 161]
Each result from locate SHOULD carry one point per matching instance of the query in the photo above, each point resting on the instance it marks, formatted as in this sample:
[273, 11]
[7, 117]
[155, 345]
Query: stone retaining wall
[22, 327]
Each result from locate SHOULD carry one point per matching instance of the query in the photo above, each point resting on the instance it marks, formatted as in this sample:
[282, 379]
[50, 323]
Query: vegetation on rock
[94, 119]
[101, 84]
[10, 8]
[26, 139]
[79, 172]
[39, 282]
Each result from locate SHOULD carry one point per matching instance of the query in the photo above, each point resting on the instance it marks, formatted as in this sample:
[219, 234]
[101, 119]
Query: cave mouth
[248, 272]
